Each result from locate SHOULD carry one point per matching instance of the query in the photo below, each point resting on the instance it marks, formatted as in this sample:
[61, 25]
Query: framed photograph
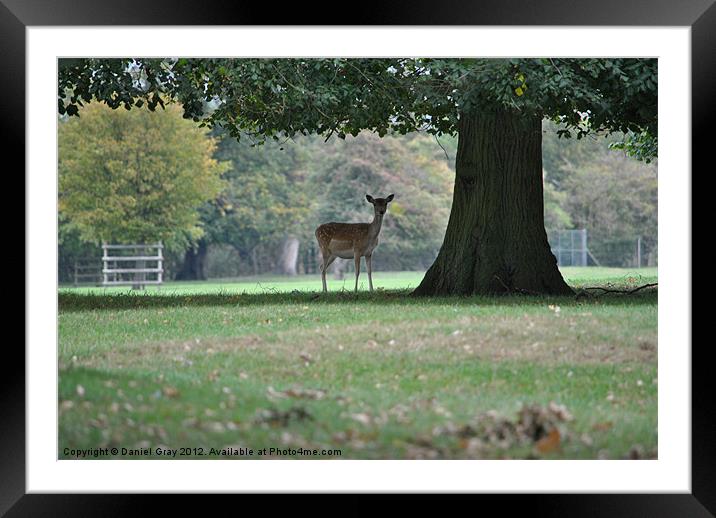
[421, 371]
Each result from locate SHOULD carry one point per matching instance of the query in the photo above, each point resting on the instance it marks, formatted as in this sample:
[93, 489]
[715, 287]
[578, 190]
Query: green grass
[309, 283]
[380, 375]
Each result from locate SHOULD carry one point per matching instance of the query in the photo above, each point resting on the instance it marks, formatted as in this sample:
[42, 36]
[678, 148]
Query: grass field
[385, 280]
[218, 368]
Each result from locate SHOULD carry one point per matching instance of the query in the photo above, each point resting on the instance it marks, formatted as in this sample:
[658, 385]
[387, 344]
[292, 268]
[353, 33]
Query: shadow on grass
[68, 302]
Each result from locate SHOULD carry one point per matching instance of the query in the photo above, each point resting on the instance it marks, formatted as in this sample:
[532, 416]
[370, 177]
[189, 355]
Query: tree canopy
[135, 176]
[265, 197]
[279, 98]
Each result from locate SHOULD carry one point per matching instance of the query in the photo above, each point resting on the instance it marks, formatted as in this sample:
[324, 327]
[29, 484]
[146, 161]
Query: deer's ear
[390, 197]
[369, 198]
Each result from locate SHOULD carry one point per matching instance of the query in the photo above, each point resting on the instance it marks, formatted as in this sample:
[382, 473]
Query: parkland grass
[221, 368]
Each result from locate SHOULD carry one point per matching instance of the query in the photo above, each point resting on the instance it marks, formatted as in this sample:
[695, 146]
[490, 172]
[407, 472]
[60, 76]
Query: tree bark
[289, 256]
[194, 266]
[495, 240]
[255, 260]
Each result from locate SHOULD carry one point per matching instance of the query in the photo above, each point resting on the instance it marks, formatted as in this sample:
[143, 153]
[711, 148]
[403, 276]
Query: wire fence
[569, 246]
[574, 248]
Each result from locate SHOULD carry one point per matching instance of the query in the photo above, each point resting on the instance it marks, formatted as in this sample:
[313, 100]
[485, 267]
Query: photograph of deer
[352, 240]
[475, 340]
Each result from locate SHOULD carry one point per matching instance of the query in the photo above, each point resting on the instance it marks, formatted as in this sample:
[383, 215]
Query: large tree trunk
[194, 266]
[289, 256]
[495, 240]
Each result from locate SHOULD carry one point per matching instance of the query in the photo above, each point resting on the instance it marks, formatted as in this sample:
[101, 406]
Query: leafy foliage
[642, 146]
[275, 98]
[135, 176]
[555, 212]
[265, 197]
[611, 195]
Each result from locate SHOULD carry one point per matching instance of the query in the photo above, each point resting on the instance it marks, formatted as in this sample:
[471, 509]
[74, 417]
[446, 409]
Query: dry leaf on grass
[297, 393]
[535, 424]
[169, 391]
[550, 442]
[362, 418]
[603, 426]
[276, 417]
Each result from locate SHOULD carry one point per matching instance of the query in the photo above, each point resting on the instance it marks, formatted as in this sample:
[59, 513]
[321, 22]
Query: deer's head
[380, 205]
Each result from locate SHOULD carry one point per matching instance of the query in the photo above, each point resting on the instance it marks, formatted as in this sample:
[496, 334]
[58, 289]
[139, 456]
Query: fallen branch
[626, 292]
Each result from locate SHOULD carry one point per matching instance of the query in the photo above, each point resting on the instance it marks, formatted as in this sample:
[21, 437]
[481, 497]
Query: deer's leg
[368, 263]
[323, 275]
[327, 260]
[356, 256]
[324, 257]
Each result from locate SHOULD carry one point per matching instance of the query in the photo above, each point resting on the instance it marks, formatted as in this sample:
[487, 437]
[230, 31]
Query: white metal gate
[127, 264]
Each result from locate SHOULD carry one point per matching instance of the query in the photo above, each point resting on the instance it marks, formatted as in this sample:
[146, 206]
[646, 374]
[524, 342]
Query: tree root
[516, 290]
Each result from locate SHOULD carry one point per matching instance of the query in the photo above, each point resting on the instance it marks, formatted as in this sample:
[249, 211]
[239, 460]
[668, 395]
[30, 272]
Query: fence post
[638, 252]
[160, 255]
[105, 265]
[583, 233]
[139, 277]
[559, 248]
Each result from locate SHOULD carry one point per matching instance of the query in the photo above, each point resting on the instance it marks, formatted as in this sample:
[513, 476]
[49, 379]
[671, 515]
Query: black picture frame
[700, 15]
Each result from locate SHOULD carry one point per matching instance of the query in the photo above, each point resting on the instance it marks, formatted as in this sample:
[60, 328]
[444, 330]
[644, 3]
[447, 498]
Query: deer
[352, 240]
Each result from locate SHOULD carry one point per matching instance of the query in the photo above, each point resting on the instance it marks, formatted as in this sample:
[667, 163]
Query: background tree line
[228, 208]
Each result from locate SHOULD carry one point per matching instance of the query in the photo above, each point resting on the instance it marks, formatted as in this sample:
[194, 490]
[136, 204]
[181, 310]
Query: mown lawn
[383, 375]
[385, 280]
